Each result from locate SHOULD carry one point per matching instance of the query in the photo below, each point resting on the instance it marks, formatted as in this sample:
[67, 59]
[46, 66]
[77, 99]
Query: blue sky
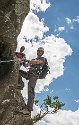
[66, 86]
[54, 24]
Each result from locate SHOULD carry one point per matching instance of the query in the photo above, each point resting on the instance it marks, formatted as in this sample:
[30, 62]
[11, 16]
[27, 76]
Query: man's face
[40, 52]
[22, 49]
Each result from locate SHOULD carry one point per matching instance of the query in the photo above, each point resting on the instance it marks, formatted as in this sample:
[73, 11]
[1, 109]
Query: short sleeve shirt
[39, 66]
[20, 56]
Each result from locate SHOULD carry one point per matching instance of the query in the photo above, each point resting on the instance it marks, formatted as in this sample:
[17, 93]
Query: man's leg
[23, 74]
[31, 92]
[20, 82]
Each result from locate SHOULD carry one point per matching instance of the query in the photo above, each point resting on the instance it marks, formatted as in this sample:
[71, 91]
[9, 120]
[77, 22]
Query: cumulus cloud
[76, 101]
[61, 118]
[67, 89]
[39, 5]
[61, 28]
[32, 27]
[56, 49]
[76, 20]
[52, 91]
[68, 20]
[46, 90]
[72, 27]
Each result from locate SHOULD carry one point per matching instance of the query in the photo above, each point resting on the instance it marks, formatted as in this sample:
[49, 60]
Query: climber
[32, 75]
[21, 55]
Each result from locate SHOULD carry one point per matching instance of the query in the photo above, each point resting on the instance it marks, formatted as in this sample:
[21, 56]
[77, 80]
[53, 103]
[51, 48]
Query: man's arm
[16, 53]
[35, 62]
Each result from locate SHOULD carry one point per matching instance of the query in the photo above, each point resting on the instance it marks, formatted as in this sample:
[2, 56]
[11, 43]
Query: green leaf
[36, 102]
[55, 97]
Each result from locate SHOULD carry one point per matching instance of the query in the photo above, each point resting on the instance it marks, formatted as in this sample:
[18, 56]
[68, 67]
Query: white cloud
[60, 118]
[36, 110]
[61, 28]
[55, 30]
[68, 20]
[76, 20]
[72, 27]
[56, 49]
[39, 5]
[57, 34]
[52, 91]
[46, 90]
[67, 89]
[32, 27]
[76, 101]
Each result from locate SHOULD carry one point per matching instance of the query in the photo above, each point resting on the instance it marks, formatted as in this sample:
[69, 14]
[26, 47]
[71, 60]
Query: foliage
[36, 102]
[55, 104]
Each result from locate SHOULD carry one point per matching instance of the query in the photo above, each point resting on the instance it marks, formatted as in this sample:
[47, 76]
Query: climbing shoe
[25, 112]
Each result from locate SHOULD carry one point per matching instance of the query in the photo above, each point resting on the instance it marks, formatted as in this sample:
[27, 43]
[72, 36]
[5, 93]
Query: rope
[7, 61]
[15, 60]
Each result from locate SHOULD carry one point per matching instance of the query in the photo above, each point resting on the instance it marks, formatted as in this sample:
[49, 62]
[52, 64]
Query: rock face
[12, 15]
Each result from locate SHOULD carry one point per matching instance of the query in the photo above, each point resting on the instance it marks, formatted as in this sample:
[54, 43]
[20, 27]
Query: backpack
[44, 70]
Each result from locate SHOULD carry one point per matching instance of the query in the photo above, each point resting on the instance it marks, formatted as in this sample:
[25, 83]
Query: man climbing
[32, 75]
[21, 55]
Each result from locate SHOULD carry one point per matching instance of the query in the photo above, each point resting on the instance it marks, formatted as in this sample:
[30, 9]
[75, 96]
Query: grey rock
[12, 15]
